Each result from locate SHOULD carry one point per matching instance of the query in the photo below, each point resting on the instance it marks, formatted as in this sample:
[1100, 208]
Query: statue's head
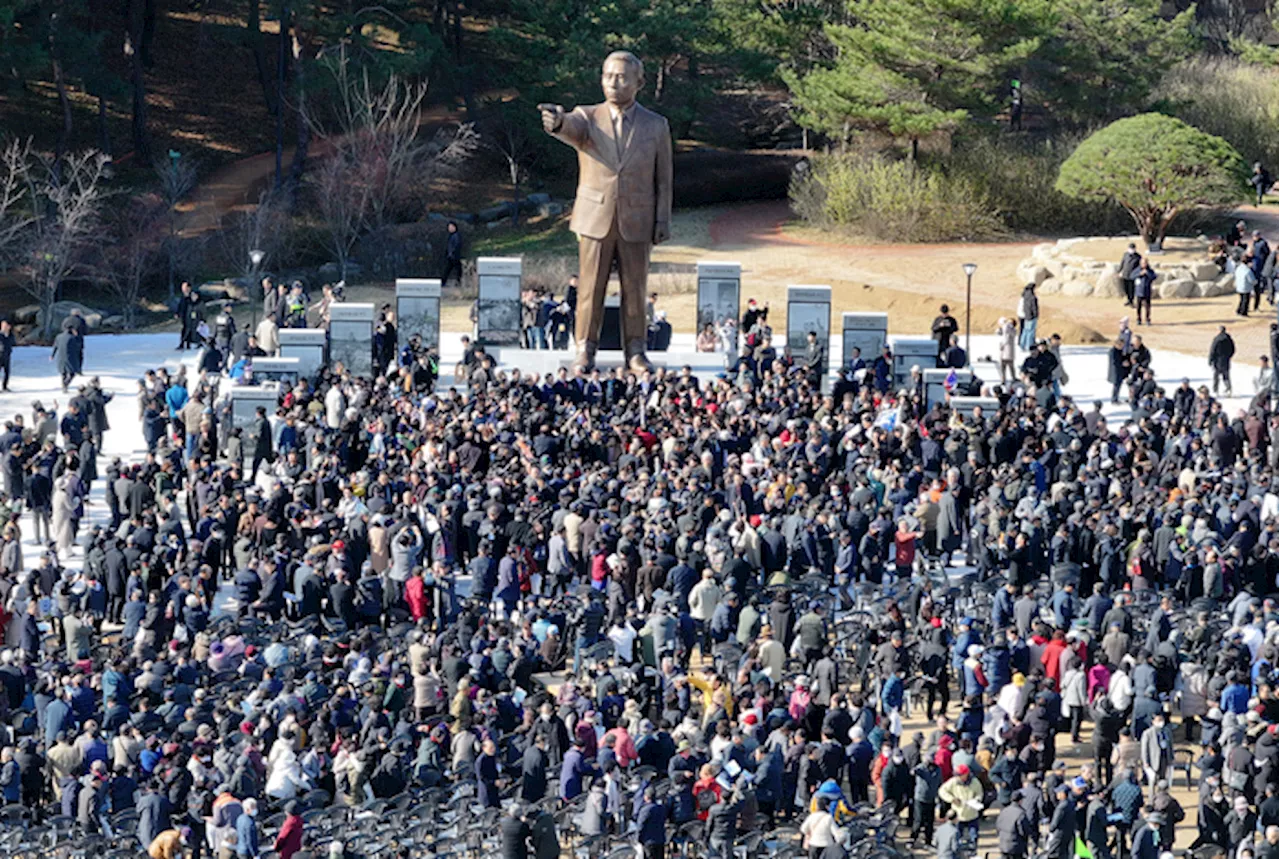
[621, 78]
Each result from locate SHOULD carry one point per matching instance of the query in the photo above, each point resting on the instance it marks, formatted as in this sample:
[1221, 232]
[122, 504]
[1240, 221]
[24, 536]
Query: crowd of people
[621, 608]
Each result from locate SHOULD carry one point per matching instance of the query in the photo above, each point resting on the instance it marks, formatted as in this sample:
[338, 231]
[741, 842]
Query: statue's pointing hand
[552, 117]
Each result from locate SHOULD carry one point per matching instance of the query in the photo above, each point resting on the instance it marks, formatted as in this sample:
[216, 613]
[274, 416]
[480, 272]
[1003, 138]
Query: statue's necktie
[619, 134]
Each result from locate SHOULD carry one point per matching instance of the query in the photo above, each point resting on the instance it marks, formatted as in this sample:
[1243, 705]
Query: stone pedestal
[245, 401]
[867, 332]
[307, 345]
[351, 337]
[808, 309]
[418, 312]
[498, 309]
[719, 296]
[909, 352]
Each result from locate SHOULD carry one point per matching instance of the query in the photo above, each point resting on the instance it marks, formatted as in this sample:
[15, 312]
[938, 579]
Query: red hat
[749, 719]
[250, 651]
[755, 520]
[935, 622]
[338, 545]
[246, 727]
[963, 769]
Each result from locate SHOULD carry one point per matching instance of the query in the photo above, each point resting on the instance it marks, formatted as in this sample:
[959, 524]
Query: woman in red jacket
[289, 840]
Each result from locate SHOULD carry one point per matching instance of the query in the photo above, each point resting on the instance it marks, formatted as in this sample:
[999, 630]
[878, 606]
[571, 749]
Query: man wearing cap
[963, 793]
[1062, 825]
[1015, 831]
[1146, 841]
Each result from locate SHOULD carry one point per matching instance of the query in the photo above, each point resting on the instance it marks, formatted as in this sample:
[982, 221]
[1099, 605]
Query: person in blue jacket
[651, 825]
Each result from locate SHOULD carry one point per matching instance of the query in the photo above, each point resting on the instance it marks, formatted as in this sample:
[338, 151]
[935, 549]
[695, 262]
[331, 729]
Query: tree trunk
[915, 149]
[141, 143]
[104, 131]
[64, 103]
[283, 65]
[515, 195]
[298, 167]
[60, 83]
[253, 27]
[148, 32]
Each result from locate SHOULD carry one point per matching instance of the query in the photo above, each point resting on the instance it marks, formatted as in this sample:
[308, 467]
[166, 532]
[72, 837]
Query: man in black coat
[7, 342]
[261, 434]
[187, 312]
[452, 254]
[1221, 351]
[533, 770]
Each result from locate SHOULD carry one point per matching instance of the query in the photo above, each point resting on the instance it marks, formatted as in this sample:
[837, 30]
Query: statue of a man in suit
[623, 205]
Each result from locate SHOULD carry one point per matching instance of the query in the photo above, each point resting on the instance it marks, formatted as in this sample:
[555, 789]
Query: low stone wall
[1056, 268]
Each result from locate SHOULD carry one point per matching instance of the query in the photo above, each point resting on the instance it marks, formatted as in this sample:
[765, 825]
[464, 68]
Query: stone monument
[719, 293]
[305, 344]
[351, 337]
[418, 311]
[498, 301]
[623, 204]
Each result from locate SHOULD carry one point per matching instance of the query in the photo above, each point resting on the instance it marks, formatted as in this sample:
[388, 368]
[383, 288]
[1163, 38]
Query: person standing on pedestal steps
[623, 204]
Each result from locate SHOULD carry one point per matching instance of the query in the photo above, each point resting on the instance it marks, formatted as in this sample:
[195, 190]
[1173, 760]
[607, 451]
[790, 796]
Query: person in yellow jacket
[715, 693]
[963, 793]
[169, 844]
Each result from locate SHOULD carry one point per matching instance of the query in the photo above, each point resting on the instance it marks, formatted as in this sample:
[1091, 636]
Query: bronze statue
[623, 205]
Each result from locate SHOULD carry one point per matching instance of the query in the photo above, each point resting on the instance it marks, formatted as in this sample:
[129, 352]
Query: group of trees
[907, 69]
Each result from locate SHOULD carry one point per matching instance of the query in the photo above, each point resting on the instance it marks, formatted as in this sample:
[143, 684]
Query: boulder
[1223, 285]
[1044, 251]
[1030, 270]
[1052, 286]
[1109, 285]
[1054, 267]
[113, 322]
[1181, 288]
[331, 272]
[494, 213]
[62, 309]
[1077, 288]
[1205, 270]
[25, 315]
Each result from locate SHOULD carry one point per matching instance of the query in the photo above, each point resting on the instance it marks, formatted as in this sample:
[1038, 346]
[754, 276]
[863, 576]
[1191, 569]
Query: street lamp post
[255, 256]
[969, 269]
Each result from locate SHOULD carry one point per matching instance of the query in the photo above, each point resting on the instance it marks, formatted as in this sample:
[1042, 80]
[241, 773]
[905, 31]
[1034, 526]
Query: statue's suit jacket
[637, 189]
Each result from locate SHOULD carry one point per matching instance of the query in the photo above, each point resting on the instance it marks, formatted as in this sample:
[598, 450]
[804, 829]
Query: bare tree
[379, 166]
[50, 223]
[134, 252]
[343, 191]
[263, 227]
[177, 177]
[16, 210]
[508, 134]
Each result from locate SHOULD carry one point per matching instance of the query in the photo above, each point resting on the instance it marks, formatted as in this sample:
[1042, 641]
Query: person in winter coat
[1118, 367]
[1221, 350]
[1074, 697]
[1143, 286]
[1245, 281]
[68, 354]
[1007, 340]
[289, 839]
[1028, 317]
[1015, 831]
[963, 793]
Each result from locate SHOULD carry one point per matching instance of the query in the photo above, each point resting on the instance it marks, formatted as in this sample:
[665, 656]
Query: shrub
[892, 200]
[1017, 177]
[1230, 98]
